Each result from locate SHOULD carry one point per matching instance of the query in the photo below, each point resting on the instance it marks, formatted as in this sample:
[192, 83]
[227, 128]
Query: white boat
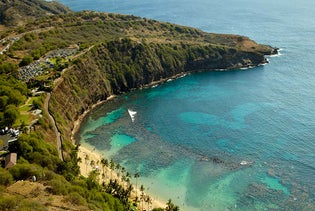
[132, 114]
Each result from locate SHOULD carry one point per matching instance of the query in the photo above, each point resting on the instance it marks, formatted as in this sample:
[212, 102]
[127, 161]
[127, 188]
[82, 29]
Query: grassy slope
[130, 52]
[117, 54]
[18, 12]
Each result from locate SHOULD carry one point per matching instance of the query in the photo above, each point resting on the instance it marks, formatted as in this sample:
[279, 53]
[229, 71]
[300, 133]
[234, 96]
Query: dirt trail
[55, 128]
[46, 105]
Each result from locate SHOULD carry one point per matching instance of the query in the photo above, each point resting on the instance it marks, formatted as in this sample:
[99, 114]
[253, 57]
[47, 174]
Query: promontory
[55, 64]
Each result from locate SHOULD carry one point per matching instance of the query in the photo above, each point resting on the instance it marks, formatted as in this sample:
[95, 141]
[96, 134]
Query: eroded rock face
[122, 65]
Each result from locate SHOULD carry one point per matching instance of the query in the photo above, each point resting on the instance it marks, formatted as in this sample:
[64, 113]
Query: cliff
[116, 53]
[84, 58]
[122, 65]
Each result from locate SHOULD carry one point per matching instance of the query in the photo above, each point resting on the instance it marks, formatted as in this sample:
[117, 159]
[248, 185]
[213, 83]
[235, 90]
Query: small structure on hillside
[10, 160]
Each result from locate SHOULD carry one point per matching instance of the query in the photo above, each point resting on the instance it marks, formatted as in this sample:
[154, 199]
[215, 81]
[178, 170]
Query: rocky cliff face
[122, 65]
[125, 52]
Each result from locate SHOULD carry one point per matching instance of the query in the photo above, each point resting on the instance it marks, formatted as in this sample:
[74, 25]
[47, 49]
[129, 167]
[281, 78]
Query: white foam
[245, 163]
[278, 54]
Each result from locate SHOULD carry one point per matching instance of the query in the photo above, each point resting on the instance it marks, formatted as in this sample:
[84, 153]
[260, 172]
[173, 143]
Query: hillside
[56, 64]
[129, 52]
[19, 12]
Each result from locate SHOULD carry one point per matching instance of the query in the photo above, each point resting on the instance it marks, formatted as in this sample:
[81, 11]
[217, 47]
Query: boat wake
[132, 114]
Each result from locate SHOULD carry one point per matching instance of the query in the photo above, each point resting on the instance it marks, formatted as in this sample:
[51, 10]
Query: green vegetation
[40, 159]
[171, 206]
[5, 177]
[92, 55]
[12, 95]
[15, 13]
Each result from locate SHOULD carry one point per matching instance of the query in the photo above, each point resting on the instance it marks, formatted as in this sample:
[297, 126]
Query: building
[10, 160]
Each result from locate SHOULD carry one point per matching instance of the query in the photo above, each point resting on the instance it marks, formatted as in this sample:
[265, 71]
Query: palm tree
[137, 175]
[112, 167]
[142, 197]
[129, 189]
[123, 171]
[104, 163]
[86, 162]
[92, 164]
[128, 175]
[171, 206]
[128, 180]
[123, 179]
[149, 201]
[118, 166]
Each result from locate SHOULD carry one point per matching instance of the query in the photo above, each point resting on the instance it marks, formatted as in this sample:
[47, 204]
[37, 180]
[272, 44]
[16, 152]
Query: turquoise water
[191, 135]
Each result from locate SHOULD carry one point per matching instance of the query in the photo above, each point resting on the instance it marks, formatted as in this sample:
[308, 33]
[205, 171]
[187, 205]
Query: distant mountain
[18, 12]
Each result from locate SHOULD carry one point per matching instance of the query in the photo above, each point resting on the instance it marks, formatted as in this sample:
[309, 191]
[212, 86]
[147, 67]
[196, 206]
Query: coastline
[93, 154]
[77, 123]
[96, 156]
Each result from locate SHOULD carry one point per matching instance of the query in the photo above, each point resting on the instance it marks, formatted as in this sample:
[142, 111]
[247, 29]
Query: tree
[11, 113]
[37, 103]
[5, 177]
[86, 161]
[8, 68]
[26, 60]
[142, 196]
[171, 206]
[123, 170]
[137, 175]
[149, 201]
[128, 176]
[3, 101]
[104, 163]
[92, 180]
[112, 166]
[92, 163]
[118, 167]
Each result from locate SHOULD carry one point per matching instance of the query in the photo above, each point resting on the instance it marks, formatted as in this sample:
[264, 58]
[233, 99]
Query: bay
[191, 135]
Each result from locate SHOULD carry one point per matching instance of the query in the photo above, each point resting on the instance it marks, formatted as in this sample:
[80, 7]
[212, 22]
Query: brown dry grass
[37, 192]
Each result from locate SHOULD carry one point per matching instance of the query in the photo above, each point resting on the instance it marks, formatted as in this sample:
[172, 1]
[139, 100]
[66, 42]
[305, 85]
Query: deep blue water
[191, 134]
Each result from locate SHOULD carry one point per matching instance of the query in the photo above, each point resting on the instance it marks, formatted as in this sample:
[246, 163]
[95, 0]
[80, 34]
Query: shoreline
[77, 123]
[83, 151]
[87, 155]
[96, 156]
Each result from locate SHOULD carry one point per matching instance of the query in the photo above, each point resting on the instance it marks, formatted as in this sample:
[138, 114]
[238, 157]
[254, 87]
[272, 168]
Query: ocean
[237, 140]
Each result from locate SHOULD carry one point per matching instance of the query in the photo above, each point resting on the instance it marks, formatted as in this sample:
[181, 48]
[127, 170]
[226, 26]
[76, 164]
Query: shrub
[75, 198]
[59, 186]
[11, 113]
[26, 61]
[5, 177]
[25, 171]
[8, 202]
[158, 209]
[31, 205]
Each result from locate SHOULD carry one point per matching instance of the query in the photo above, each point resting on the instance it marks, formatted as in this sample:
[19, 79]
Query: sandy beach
[89, 154]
